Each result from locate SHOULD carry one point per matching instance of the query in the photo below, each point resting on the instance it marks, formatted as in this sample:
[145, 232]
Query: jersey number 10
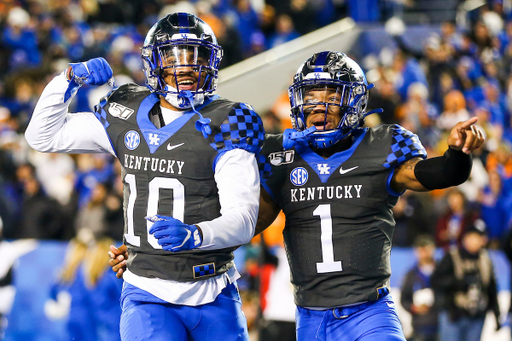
[178, 208]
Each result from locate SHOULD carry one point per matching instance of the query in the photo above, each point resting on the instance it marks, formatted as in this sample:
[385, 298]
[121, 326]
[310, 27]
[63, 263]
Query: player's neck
[339, 146]
[168, 105]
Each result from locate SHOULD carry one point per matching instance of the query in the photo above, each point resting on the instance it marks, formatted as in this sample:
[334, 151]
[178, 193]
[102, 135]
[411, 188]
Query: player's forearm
[451, 169]
[231, 229]
[53, 129]
[237, 180]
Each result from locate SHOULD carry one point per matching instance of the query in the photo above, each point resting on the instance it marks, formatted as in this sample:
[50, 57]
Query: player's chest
[305, 182]
[182, 153]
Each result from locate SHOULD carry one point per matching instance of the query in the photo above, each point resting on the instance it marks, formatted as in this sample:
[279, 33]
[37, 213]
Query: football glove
[174, 235]
[92, 72]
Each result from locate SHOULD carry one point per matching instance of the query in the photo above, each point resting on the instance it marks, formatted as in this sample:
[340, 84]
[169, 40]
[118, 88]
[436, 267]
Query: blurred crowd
[463, 70]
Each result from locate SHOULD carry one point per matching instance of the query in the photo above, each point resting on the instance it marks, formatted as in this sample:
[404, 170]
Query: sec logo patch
[299, 176]
[131, 140]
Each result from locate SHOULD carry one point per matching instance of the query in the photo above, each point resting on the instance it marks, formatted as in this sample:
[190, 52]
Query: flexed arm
[53, 129]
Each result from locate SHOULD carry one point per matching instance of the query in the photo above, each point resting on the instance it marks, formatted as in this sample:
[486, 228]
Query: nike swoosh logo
[390, 304]
[170, 147]
[343, 171]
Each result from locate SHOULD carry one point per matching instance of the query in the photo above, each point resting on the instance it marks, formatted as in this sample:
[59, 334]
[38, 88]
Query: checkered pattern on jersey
[265, 168]
[204, 270]
[405, 146]
[242, 128]
[99, 111]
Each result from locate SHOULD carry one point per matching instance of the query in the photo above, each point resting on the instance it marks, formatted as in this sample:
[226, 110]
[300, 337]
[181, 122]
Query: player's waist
[182, 267]
[345, 311]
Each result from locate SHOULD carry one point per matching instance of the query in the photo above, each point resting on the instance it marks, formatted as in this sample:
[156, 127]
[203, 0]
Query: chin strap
[202, 124]
[291, 137]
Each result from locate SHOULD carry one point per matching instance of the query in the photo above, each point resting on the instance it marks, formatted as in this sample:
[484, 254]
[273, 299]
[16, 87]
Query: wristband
[451, 169]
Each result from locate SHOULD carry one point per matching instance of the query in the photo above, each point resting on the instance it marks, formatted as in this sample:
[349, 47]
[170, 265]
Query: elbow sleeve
[451, 169]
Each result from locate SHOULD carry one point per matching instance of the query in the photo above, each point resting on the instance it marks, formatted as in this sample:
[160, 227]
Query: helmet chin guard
[332, 81]
[177, 100]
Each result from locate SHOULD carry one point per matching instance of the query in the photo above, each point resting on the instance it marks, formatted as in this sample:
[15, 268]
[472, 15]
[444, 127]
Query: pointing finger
[466, 124]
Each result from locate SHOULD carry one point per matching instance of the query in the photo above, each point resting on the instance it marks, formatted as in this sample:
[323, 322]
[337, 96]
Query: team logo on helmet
[299, 176]
[131, 140]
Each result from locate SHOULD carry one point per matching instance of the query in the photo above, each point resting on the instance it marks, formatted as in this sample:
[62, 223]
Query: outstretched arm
[451, 169]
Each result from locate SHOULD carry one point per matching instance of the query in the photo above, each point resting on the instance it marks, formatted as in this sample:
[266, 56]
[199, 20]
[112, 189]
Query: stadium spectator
[43, 217]
[246, 24]
[454, 110]
[276, 294]
[419, 115]
[285, 31]
[414, 217]
[465, 287]
[494, 209]
[20, 38]
[452, 224]
[407, 71]
[417, 295]
[506, 245]
[386, 97]
[86, 294]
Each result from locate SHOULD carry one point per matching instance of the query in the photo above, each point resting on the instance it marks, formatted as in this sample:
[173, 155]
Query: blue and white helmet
[188, 42]
[344, 85]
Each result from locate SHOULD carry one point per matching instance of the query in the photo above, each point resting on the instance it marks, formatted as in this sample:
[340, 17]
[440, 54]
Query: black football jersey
[169, 170]
[339, 220]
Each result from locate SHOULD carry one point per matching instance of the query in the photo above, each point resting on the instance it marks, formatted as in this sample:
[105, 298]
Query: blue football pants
[376, 322]
[221, 320]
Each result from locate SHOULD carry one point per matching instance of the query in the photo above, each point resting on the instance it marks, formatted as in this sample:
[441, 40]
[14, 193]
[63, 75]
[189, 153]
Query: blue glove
[93, 72]
[174, 235]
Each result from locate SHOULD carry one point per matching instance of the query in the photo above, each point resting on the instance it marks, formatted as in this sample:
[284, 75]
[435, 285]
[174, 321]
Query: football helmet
[327, 83]
[176, 42]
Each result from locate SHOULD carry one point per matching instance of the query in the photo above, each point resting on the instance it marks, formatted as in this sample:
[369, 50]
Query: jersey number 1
[328, 264]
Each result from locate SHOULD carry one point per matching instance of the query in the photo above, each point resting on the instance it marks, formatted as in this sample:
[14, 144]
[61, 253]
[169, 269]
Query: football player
[190, 175]
[337, 182]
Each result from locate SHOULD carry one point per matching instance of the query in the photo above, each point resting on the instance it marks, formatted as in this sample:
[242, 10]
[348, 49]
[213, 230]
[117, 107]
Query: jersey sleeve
[242, 128]
[99, 109]
[53, 129]
[405, 145]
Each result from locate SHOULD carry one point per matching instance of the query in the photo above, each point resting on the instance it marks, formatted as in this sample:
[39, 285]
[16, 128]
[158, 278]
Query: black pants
[277, 331]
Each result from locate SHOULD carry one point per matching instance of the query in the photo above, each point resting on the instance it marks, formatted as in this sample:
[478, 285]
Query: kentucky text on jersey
[154, 163]
[330, 192]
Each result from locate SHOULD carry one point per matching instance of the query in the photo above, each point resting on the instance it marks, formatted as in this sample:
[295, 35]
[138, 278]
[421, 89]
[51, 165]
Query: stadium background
[440, 62]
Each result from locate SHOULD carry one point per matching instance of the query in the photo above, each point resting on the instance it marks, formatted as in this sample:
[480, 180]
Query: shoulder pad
[127, 91]
[242, 128]
[405, 145]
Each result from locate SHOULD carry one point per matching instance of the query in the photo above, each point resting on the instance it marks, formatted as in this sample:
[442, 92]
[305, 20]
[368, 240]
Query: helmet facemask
[336, 108]
[185, 60]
